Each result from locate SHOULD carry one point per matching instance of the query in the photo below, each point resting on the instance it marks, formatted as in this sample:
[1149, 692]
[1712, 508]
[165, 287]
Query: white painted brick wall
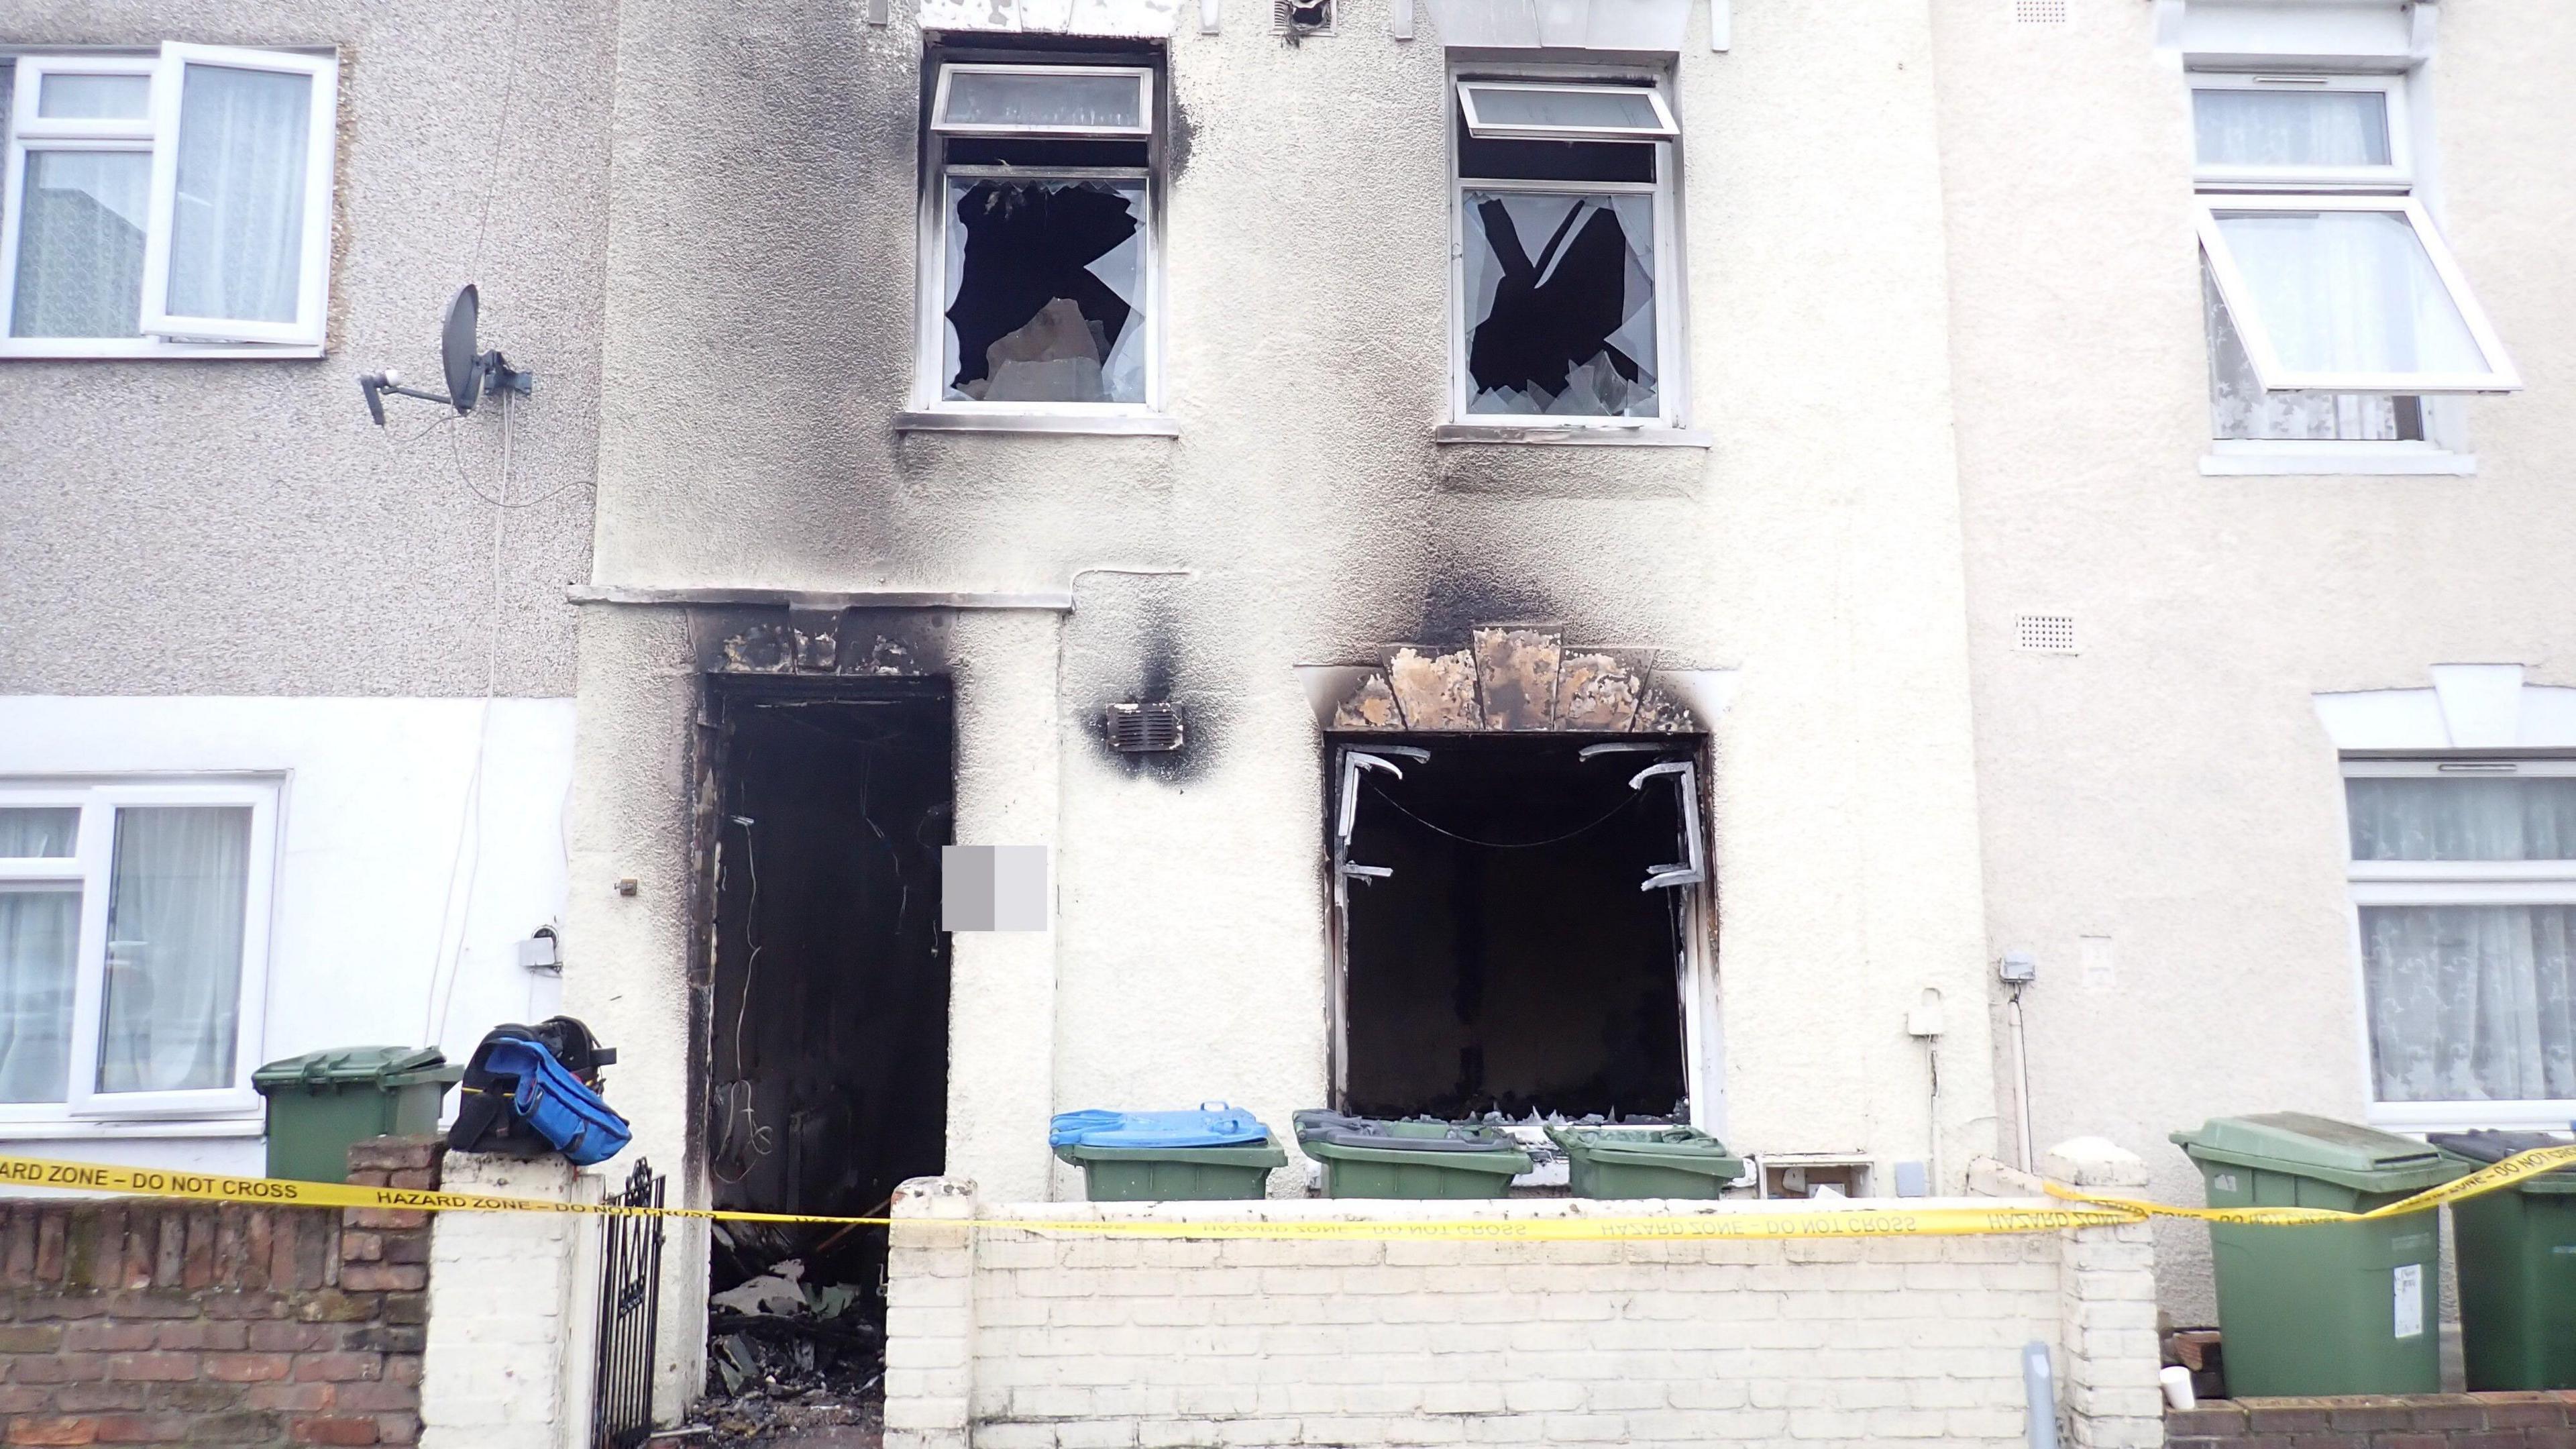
[1005, 1339]
[495, 1368]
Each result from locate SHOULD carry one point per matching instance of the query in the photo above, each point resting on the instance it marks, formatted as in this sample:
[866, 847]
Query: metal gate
[630, 1277]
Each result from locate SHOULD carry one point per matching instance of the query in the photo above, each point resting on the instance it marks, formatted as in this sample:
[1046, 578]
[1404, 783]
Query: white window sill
[1599, 437]
[1128, 425]
[73, 349]
[2247, 458]
[62, 1129]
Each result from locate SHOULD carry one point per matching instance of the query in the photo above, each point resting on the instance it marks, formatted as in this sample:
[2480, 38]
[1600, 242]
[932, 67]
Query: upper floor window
[2334, 307]
[1566, 271]
[1041, 286]
[2464, 895]
[133, 930]
[169, 204]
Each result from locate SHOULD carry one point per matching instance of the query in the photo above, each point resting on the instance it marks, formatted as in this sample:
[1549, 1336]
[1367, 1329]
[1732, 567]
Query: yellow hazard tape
[2485, 1180]
[1817, 1223]
[2093, 1211]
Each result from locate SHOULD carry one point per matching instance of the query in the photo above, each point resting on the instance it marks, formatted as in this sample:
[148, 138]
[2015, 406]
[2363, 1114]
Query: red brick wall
[2415, 1421]
[149, 1321]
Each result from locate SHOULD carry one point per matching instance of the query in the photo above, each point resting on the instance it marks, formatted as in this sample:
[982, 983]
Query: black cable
[1585, 829]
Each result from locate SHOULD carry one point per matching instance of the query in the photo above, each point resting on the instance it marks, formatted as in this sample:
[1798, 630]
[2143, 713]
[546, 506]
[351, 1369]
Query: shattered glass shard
[1569, 332]
[1045, 285]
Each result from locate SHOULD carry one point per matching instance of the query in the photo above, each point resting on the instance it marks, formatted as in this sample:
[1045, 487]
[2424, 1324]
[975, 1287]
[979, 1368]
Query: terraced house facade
[1900, 582]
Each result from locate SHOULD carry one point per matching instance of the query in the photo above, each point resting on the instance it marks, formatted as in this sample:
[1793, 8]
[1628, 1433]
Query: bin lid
[1333, 1129]
[1210, 1124]
[376, 1066]
[2342, 1153]
[2486, 1148]
[1675, 1146]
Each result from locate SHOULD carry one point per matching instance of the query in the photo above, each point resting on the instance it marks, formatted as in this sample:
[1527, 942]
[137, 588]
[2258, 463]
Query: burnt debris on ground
[792, 1352]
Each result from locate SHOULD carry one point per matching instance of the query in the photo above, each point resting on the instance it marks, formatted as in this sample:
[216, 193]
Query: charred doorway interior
[1502, 948]
[827, 1027]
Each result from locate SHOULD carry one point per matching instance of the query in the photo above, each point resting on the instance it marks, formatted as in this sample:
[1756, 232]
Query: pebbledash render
[1906, 583]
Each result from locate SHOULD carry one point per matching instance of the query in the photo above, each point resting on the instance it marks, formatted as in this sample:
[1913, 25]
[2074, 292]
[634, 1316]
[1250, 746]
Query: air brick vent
[1145, 729]
[2044, 633]
[2039, 12]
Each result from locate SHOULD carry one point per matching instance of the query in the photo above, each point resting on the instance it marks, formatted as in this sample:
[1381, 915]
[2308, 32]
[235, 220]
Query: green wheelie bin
[2517, 1259]
[1642, 1162]
[2323, 1308]
[322, 1102]
[1369, 1157]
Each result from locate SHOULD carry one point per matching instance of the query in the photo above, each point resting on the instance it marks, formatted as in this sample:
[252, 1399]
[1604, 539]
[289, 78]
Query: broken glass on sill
[1561, 304]
[1045, 291]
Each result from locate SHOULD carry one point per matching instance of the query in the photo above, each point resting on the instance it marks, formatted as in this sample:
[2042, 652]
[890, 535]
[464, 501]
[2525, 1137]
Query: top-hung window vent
[2044, 633]
[1153, 727]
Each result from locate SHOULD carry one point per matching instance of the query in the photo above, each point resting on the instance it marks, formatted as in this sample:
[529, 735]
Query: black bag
[484, 1119]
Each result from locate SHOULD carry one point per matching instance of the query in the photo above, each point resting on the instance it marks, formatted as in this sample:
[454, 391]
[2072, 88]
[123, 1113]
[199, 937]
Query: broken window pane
[1560, 296]
[1046, 292]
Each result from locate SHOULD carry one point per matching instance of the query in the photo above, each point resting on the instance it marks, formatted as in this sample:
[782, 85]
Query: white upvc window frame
[1671, 347]
[161, 334]
[1468, 91]
[2450, 883]
[2397, 175]
[930, 403]
[2442, 451]
[2251, 328]
[950, 70]
[91, 869]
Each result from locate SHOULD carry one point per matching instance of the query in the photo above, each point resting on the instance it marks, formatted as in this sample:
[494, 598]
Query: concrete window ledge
[1118, 425]
[1519, 433]
[2364, 460]
[2540, 1420]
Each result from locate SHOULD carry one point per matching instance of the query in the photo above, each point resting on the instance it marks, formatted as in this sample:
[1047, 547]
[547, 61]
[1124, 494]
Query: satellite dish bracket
[469, 374]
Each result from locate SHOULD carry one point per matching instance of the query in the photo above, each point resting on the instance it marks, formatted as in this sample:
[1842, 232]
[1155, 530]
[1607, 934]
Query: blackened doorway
[1501, 948]
[826, 1047]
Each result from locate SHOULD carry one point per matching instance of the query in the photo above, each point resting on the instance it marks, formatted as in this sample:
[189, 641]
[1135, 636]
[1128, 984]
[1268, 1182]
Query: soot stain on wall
[1455, 601]
[1155, 661]
[1176, 145]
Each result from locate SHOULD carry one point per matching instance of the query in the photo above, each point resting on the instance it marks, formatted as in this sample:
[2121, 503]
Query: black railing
[630, 1277]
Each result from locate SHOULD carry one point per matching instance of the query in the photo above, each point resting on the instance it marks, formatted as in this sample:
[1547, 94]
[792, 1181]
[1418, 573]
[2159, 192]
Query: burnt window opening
[1042, 245]
[1560, 194]
[1301, 17]
[825, 1043]
[1500, 949]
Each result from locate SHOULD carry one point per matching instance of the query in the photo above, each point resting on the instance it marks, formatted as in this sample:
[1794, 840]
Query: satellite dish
[469, 373]
[456, 349]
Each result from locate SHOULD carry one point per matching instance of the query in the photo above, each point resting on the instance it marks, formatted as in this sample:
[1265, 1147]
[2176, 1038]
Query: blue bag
[1210, 1124]
[554, 1102]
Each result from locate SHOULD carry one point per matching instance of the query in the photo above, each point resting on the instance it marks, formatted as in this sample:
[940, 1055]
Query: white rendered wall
[390, 887]
[2170, 789]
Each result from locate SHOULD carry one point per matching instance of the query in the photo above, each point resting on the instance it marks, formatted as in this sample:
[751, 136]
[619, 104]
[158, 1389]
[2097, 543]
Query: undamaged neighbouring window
[2472, 997]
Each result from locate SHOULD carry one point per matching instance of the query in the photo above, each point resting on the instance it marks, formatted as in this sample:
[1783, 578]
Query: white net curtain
[2469, 1002]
